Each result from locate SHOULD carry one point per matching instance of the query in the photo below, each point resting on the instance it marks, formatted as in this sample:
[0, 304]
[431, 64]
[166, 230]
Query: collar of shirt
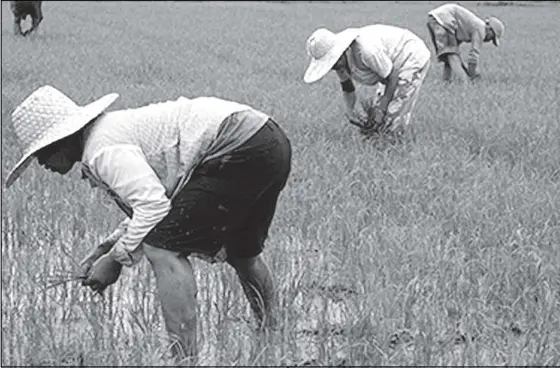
[88, 175]
[96, 183]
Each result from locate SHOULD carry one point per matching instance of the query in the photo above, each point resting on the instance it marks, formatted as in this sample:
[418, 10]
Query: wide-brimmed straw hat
[498, 27]
[325, 48]
[47, 116]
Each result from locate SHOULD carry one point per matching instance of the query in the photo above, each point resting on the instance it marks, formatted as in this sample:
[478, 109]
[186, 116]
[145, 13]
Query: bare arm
[380, 63]
[391, 83]
[474, 54]
[118, 232]
[348, 90]
[104, 247]
[128, 174]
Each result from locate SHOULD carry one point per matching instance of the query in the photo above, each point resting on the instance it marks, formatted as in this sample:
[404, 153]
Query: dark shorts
[230, 200]
[444, 41]
[21, 9]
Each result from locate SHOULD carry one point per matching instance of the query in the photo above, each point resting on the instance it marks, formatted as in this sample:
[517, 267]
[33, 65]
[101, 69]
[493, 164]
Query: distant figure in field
[21, 9]
[391, 56]
[449, 26]
[195, 177]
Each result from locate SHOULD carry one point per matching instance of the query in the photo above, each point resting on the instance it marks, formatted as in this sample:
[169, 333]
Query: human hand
[104, 272]
[356, 118]
[375, 121]
[94, 255]
[472, 71]
[378, 115]
[475, 77]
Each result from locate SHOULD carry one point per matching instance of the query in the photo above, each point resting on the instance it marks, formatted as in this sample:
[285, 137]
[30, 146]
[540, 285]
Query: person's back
[400, 44]
[459, 20]
[174, 136]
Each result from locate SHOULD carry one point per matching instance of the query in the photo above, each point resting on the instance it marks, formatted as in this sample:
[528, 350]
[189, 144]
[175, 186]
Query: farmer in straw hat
[449, 26]
[195, 177]
[385, 54]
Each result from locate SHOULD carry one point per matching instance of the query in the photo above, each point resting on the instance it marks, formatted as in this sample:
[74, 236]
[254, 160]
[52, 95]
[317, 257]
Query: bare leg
[36, 20]
[177, 293]
[39, 15]
[456, 67]
[34, 25]
[258, 286]
[446, 71]
[17, 27]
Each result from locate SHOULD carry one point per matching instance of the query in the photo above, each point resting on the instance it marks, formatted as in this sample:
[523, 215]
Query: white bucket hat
[47, 116]
[498, 27]
[325, 48]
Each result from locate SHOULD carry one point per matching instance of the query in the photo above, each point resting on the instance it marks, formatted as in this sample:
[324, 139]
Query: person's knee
[248, 245]
[445, 54]
[175, 281]
[164, 261]
[248, 267]
[453, 57]
[242, 264]
[154, 254]
[455, 62]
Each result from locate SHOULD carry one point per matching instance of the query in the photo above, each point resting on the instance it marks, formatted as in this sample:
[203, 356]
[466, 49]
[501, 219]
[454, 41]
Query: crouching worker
[450, 25]
[195, 177]
[377, 54]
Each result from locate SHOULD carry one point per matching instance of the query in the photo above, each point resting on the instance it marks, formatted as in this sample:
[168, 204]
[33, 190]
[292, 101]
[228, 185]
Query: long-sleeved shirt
[465, 25]
[144, 156]
[379, 49]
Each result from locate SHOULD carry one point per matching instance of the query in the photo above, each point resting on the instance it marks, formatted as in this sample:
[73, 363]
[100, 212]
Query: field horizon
[442, 250]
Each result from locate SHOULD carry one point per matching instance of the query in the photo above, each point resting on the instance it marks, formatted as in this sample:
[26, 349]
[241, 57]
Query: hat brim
[318, 68]
[70, 126]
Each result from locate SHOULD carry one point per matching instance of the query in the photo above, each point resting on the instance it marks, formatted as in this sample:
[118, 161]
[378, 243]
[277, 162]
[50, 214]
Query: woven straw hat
[47, 116]
[498, 27]
[325, 48]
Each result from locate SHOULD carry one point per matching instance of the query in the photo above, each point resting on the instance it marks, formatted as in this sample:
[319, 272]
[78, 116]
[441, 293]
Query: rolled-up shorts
[444, 41]
[230, 201]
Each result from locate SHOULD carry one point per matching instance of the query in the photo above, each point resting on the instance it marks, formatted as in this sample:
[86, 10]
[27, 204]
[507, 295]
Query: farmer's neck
[84, 135]
[72, 148]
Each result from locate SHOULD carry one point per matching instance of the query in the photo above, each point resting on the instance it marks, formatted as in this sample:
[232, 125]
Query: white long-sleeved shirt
[380, 48]
[144, 156]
